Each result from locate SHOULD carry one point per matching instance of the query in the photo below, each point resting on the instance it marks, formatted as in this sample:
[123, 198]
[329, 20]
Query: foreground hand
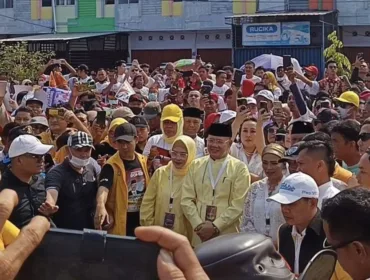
[101, 215]
[47, 209]
[13, 257]
[176, 260]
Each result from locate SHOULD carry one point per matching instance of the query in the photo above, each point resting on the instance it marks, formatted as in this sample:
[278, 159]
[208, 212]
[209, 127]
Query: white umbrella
[270, 61]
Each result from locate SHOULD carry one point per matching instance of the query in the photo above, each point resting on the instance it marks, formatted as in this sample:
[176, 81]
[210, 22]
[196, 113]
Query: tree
[333, 52]
[20, 63]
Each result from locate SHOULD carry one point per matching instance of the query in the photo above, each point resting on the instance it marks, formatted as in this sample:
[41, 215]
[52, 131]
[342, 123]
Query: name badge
[211, 213]
[169, 220]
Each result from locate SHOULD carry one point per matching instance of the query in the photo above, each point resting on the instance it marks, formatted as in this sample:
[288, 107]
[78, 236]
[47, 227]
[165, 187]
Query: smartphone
[263, 105]
[91, 254]
[242, 102]
[287, 61]
[100, 118]
[325, 104]
[187, 74]
[53, 112]
[280, 137]
[48, 161]
[206, 89]
[360, 55]
[243, 108]
[57, 61]
[278, 107]
[238, 74]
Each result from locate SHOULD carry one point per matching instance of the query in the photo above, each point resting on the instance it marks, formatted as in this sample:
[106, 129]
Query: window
[65, 2]
[109, 2]
[6, 4]
[46, 3]
[128, 1]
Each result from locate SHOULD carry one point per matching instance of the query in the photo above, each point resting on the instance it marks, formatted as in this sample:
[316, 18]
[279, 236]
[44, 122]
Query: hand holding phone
[100, 118]
[238, 75]
[287, 62]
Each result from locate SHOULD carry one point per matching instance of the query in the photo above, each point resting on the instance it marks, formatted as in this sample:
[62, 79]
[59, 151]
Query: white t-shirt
[326, 191]
[157, 141]
[311, 90]
[100, 87]
[199, 142]
[220, 90]
[255, 79]
[64, 76]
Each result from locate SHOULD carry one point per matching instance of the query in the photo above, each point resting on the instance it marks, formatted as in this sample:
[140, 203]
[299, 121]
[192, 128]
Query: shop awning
[56, 37]
[237, 18]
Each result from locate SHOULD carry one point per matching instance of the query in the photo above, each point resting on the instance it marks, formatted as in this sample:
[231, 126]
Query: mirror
[321, 266]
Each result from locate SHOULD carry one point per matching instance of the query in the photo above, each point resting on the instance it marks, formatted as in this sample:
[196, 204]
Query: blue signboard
[276, 34]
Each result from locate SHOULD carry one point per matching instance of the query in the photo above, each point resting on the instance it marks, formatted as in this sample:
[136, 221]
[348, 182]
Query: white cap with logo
[227, 115]
[27, 144]
[294, 187]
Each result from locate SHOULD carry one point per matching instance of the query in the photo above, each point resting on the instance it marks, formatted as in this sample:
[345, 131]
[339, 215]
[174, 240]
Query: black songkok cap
[220, 129]
[192, 113]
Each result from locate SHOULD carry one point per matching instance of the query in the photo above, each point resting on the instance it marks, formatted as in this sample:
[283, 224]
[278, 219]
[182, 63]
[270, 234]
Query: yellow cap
[171, 113]
[349, 97]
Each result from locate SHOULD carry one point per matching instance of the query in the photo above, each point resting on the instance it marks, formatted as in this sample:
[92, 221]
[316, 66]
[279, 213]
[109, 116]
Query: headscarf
[191, 150]
[274, 149]
[273, 84]
[172, 113]
[112, 127]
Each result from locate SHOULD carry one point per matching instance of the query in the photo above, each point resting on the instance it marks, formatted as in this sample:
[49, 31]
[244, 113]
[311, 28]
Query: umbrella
[184, 63]
[270, 61]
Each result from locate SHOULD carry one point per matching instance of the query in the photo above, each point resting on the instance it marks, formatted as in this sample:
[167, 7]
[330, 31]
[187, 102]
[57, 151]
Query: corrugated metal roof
[280, 14]
[56, 37]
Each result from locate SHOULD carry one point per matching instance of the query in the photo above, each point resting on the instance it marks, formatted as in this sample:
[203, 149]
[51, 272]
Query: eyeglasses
[217, 142]
[175, 154]
[364, 136]
[327, 245]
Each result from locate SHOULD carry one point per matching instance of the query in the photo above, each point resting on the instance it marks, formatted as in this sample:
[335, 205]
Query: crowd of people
[196, 151]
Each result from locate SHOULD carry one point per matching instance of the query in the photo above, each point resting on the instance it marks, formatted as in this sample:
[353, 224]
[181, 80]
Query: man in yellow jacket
[122, 184]
[214, 188]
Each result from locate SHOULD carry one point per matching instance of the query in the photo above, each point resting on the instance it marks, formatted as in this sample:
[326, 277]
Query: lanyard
[171, 189]
[220, 172]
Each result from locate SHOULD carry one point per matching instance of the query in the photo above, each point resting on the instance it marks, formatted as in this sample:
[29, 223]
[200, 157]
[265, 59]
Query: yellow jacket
[157, 196]
[8, 234]
[230, 194]
[47, 139]
[117, 201]
[340, 273]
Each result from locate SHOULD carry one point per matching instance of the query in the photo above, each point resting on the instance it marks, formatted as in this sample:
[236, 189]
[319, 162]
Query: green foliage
[333, 52]
[21, 64]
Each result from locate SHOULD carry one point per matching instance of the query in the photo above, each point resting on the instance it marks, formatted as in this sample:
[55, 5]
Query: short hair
[23, 109]
[203, 67]
[259, 68]
[219, 73]
[319, 136]
[228, 68]
[145, 65]
[328, 127]
[7, 128]
[328, 62]
[250, 62]
[348, 129]
[348, 214]
[367, 121]
[324, 149]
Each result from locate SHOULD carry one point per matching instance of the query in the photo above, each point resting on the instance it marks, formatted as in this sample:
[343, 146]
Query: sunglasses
[36, 157]
[364, 136]
[28, 84]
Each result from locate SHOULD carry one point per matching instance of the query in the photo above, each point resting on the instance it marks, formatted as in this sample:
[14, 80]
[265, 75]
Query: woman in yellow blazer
[161, 202]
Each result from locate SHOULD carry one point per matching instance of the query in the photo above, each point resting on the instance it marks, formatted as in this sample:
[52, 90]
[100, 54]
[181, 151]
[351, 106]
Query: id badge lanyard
[172, 192]
[267, 213]
[211, 178]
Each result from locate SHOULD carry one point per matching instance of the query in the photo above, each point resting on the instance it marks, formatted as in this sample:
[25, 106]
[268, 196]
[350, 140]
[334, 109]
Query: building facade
[186, 27]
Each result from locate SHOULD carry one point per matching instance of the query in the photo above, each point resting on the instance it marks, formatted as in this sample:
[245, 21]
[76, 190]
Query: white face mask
[343, 112]
[79, 163]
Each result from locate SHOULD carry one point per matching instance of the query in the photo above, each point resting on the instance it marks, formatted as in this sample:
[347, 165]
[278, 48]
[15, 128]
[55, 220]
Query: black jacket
[30, 197]
[312, 242]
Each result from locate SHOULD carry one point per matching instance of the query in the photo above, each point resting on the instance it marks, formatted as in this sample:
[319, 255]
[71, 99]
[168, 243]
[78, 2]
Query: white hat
[294, 187]
[251, 100]
[227, 115]
[27, 144]
[266, 94]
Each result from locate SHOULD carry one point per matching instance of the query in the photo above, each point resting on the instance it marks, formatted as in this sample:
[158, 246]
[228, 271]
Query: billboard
[276, 34]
